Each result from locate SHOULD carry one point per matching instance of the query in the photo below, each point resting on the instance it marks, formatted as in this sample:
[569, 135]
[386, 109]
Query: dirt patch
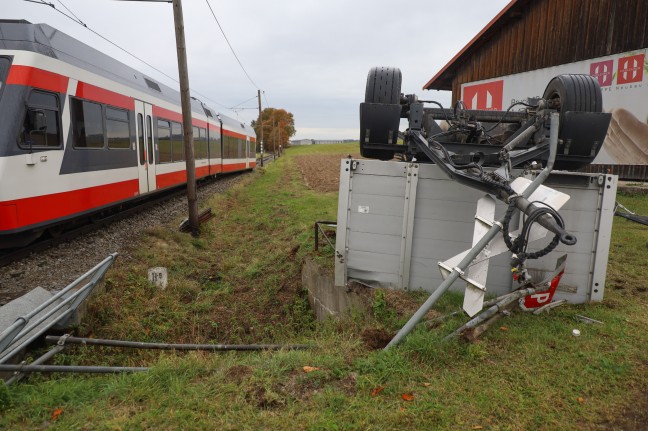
[238, 373]
[405, 305]
[375, 338]
[633, 416]
[264, 398]
[321, 172]
[298, 386]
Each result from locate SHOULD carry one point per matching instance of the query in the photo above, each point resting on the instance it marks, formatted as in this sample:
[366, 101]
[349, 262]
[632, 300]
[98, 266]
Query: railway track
[96, 222]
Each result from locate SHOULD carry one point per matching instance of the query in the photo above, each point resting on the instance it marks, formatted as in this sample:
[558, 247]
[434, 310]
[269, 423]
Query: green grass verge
[240, 282]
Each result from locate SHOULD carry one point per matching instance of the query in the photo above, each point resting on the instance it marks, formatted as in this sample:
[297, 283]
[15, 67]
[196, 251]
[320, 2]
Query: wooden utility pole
[261, 125]
[274, 137]
[186, 117]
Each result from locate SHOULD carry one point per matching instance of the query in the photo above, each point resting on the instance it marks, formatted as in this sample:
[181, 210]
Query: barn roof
[443, 79]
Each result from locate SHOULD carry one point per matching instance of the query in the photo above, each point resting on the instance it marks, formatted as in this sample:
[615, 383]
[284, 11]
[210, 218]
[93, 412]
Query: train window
[214, 144]
[117, 128]
[231, 147]
[240, 148]
[42, 124]
[149, 138]
[203, 144]
[177, 142]
[87, 124]
[140, 139]
[226, 146]
[200, 143]
[164, 141]
[252, 154]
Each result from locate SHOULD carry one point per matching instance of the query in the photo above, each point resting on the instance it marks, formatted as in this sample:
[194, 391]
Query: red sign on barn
[630, 69]
[484, 96]
[603, 72]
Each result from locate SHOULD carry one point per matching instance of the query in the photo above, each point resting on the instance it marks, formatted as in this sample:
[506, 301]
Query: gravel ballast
[55, 268]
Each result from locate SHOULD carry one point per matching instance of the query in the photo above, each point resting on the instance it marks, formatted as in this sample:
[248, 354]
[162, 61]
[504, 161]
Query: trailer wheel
[575, 93]
[383, 86]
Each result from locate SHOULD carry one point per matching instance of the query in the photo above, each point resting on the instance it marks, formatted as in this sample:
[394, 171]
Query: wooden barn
[530, 41]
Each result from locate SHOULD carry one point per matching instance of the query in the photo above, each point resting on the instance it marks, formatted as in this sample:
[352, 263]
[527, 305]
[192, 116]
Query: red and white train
[81, 132]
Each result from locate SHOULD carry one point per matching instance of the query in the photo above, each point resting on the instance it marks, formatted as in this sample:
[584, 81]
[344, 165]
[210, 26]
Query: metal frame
[481, 244]
[341, 241]
[408, 224]
[601, 248]
[318, 230]
[25, 329]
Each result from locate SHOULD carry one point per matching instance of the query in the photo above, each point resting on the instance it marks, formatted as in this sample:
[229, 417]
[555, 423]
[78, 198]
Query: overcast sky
[310, 57]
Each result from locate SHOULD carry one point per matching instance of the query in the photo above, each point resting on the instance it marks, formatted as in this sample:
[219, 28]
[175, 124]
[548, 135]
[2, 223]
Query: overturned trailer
[406, 224]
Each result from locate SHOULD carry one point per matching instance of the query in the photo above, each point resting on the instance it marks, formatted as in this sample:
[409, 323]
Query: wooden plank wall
[625, 172]
[552, 32]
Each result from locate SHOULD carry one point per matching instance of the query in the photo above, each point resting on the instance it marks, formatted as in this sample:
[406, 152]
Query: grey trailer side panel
[385, 246]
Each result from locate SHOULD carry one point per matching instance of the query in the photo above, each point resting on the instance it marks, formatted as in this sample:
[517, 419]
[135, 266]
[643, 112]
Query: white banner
[624, 84]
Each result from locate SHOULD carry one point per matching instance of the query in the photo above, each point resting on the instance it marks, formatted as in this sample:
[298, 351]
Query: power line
[245, 101]
[230, 46]
[83, 24]
[68, 9]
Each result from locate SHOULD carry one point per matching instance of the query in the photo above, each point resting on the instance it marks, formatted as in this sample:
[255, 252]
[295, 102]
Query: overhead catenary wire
[230, 46]
[245, 101]
[68, 9]
[78, 21]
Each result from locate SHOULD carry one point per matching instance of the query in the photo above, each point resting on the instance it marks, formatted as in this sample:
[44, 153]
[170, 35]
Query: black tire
[383, 86]
[573, 92]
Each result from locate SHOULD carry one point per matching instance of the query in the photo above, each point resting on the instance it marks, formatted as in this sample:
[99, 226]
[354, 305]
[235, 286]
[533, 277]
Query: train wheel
[55, 231]
[383, 86]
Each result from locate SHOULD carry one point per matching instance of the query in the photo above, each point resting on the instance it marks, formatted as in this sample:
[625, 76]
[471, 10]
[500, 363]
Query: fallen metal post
[70, 369]
[39, 361]
[483, 242]
[170, 346]
[489, 303]
[505, 301]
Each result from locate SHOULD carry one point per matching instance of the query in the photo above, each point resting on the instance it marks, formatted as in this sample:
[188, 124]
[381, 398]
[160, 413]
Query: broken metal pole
[169, 346]
[69, 369]
[505, 301]
[39, 361]
[483, 242]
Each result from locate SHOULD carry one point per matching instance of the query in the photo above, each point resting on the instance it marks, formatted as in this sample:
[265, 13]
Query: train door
[247, 153]
[145, 148]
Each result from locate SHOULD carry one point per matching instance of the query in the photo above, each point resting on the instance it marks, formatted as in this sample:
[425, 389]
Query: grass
[240, 283]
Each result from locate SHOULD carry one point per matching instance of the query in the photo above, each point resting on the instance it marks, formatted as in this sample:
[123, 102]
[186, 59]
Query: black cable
[458, 105]
[447, 156]
[445, 114]
[506, 113]
[519, 246]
